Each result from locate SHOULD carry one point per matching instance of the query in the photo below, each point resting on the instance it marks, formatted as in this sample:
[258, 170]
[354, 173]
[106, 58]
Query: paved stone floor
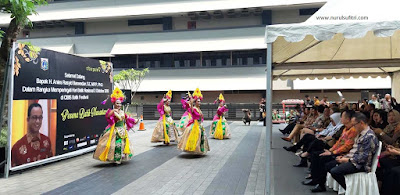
[286, 178]
[234, 166]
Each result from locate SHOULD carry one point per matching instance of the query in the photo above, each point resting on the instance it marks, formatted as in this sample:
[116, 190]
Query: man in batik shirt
[33, 146]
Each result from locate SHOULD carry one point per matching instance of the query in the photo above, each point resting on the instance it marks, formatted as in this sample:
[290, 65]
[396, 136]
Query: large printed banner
[56, 107]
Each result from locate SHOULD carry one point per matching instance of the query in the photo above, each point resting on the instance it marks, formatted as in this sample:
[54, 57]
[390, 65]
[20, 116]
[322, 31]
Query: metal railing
[149, 111]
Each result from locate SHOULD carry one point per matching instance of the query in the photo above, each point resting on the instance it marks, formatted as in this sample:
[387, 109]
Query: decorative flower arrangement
[27, 52]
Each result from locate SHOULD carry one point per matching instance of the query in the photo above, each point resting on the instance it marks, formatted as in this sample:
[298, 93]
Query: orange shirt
[30, 149]
[345, 142]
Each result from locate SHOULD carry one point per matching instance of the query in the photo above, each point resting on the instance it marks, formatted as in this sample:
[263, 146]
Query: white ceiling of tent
[358, 37]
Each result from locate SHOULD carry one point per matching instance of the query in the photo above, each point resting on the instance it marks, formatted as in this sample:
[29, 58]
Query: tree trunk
[11, 35]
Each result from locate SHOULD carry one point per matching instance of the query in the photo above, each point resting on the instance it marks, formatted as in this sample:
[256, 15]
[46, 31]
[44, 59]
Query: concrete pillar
[396, 85]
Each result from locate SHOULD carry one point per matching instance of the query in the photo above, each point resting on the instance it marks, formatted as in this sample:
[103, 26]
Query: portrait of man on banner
[33, 130]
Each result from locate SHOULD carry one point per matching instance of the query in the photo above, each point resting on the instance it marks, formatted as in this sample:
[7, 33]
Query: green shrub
[3, 137]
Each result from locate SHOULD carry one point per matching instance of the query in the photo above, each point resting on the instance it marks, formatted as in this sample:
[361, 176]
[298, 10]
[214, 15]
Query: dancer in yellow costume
[183, 123]
[114, 144]
[165, 130]
[194, 139]
[220, 128]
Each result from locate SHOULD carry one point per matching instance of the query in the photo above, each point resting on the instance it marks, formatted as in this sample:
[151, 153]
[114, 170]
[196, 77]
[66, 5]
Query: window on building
[217, 58]
[239, 58]
[249, 57]
[167, 61]
[124, 61]
[150, 61]
[182, 60]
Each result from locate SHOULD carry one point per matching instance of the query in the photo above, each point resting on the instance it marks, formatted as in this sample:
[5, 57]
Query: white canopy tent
[343, 39]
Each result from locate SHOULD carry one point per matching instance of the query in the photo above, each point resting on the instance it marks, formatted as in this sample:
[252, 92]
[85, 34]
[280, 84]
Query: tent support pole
[268, 129]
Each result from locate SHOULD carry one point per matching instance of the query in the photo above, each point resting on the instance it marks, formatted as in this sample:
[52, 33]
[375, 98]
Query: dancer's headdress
[168, 96]
[220, 99]
[117, 95]
[197, 94]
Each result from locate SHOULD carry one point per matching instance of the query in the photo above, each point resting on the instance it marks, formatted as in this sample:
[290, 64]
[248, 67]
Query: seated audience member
[308, 102]
[311, 118]
[395, 105]
[324, 101]
[390, 135]
[276, 116]
[370, 110]
[308, 139]
[330, 130]
[342, 146]
[378, 120]
[289, 128]
[374, 100]
[354, 107]
[388, 173]
[344, 105]
[316, 101]
[387, 103]
[290, 116]
[364, 102]
[362, 108]
[358, 159]
[320, 123]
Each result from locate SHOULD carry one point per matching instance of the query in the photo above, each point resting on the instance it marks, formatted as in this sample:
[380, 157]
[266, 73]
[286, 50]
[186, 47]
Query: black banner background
[31, 65]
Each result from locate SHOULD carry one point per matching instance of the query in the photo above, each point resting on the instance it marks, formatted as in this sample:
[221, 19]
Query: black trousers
[392, 182]
[306, 141]
[338, 172]
[389, 174]
[315, 149]
[319, 169]
[289, 128]
[317, 145]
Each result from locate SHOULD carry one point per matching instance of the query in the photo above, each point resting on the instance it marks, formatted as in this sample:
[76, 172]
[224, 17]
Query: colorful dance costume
[165, 130]
[194, 139]
[114, 144]
[220, 128]
[185, 117]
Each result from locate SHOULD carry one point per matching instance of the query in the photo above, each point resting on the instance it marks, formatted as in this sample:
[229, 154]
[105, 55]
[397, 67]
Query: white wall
[179, 23]
[77, 10]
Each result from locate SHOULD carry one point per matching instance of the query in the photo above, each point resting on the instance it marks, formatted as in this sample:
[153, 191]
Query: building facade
[216, 45]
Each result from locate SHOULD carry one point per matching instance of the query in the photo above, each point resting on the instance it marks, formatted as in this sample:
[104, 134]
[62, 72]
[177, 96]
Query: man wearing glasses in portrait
[33, 146]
